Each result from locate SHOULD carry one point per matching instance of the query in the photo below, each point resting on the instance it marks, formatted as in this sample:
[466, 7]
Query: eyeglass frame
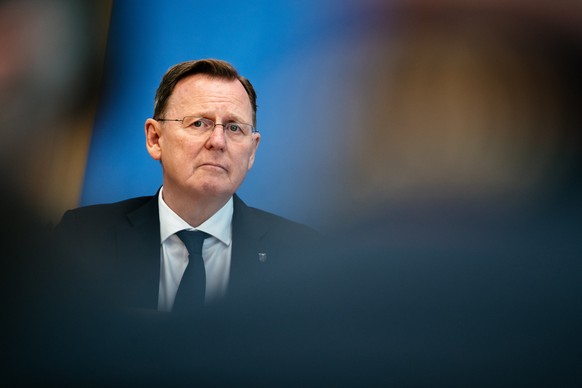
[253, 129]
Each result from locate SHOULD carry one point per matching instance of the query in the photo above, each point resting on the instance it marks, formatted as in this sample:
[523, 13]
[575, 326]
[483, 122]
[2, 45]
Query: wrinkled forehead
[203, 92]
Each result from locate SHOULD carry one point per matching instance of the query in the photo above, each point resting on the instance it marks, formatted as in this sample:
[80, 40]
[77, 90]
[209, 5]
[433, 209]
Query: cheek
[176, 148]
[244, 164]
[174, 154]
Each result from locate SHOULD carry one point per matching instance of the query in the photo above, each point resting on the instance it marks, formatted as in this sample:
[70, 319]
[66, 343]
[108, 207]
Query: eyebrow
[230, 117]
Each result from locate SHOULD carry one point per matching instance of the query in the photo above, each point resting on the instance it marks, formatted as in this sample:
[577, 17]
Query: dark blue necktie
[192, 289]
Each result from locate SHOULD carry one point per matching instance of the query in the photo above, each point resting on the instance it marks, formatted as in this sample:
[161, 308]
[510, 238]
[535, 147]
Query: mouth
[214, 166]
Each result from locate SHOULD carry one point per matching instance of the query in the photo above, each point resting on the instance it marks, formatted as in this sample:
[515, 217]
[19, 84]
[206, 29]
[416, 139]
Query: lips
[214, 165]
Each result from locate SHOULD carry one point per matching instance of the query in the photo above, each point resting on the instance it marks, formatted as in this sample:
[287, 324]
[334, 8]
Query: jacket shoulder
[265, 225]
[277, 221]
[102, 214]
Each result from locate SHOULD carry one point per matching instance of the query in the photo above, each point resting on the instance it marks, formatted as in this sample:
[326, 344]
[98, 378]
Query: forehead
[200, 93]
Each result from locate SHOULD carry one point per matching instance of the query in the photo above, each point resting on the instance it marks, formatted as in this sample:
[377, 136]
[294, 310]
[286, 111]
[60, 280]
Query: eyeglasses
[201, 126]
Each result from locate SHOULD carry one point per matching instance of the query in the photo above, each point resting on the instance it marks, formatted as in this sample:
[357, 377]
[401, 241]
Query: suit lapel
[248, 231]
[138, 248]
[138, 251]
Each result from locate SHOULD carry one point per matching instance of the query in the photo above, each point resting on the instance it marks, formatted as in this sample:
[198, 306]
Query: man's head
[202, 167]
[211, 67]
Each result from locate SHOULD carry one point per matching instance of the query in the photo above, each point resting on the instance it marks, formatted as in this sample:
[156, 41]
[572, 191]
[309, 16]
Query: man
[203, 133]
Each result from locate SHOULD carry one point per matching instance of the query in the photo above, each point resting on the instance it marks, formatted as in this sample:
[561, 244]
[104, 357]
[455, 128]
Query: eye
[198, 124]
[234, 127]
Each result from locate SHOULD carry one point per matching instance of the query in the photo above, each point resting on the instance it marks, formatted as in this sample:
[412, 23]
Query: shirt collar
[219, 225]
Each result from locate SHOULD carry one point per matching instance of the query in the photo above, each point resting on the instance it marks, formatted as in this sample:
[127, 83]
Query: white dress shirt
[216, 253]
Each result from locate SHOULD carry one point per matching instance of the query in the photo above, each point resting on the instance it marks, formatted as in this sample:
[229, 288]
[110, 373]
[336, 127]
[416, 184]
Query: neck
[194, 210]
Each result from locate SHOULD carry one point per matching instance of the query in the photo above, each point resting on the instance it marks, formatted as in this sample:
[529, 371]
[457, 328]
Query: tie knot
[193, 239]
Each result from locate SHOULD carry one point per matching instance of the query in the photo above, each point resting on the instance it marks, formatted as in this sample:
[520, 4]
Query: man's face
[212, 166]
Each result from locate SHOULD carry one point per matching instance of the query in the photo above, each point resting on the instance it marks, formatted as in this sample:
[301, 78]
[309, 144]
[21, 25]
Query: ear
[255, 145]
[153, 134]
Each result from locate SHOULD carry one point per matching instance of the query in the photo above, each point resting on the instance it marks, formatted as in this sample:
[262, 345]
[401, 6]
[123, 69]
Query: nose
[217, 138]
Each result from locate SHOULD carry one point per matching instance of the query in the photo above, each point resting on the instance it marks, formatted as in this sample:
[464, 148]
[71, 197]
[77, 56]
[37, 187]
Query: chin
[215, 189]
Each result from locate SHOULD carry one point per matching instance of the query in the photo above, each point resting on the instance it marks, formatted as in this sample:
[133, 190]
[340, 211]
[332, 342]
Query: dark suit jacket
[116, 249]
